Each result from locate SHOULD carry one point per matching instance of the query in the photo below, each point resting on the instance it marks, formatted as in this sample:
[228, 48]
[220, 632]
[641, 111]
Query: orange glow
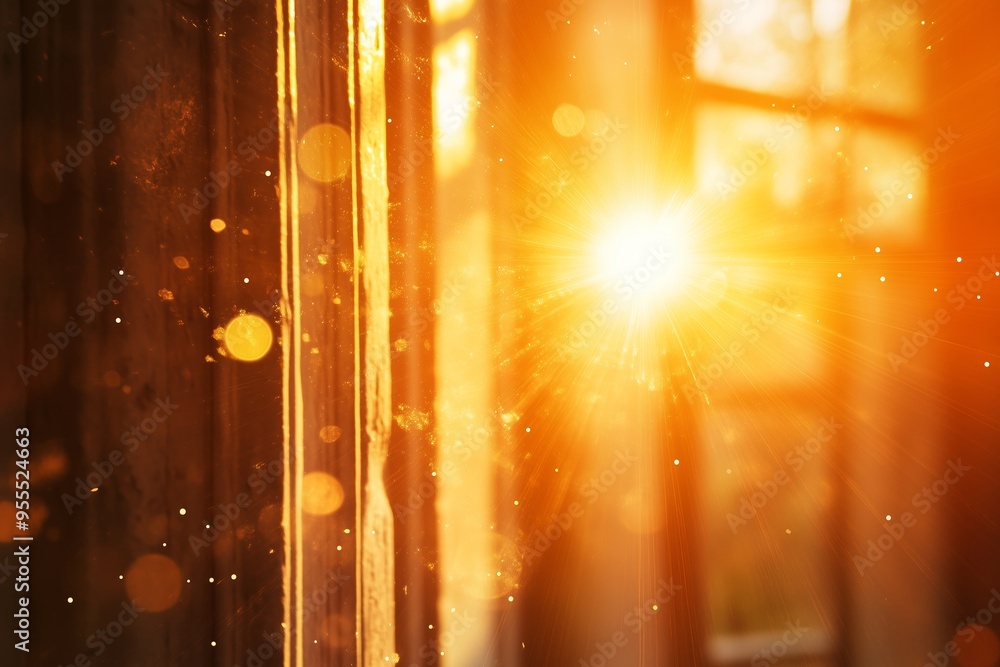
[154, 582]
[321, 494]
[455, 105]
[248, 337]
[443, 11]
[568, 120]
[325, 153]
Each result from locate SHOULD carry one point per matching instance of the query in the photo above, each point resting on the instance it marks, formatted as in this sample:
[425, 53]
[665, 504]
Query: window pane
[884, 61]
[760, 45]
[766, 498]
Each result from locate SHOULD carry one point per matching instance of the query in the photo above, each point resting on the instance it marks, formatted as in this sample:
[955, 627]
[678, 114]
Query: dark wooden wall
[120, 210]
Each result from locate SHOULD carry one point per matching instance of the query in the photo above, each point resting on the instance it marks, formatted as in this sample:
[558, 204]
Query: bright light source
[642, 256]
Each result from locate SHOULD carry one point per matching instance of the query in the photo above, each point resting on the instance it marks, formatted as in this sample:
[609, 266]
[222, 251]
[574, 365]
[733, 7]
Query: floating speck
[329, 433]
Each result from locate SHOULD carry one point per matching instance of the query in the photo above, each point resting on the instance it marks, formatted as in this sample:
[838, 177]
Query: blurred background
[535, 332]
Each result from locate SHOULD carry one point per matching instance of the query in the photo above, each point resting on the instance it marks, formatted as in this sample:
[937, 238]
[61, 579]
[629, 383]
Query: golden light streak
[376, 538]
[292, 408]
[463, 372]
[356, 285]
[455, 105]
